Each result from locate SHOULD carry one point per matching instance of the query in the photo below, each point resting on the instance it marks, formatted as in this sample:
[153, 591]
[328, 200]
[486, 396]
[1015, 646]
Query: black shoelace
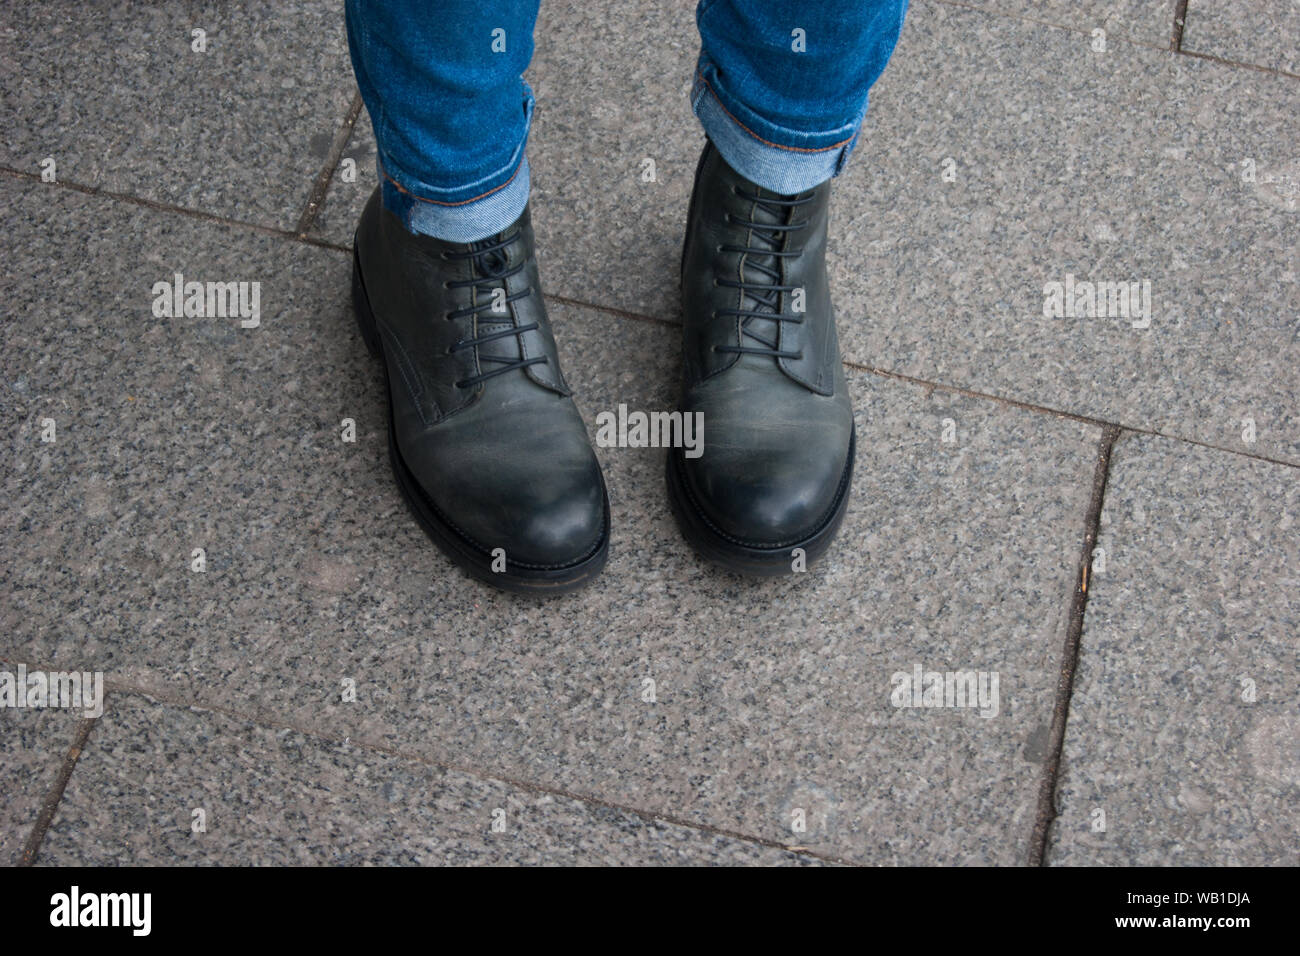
[490, 262]
[764, 293]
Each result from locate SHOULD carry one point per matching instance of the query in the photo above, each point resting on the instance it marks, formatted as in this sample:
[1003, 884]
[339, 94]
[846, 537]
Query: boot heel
[361, 306]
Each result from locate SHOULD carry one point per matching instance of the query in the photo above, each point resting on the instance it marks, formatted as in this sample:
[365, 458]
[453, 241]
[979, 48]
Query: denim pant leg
[443, 83]
[781, 88]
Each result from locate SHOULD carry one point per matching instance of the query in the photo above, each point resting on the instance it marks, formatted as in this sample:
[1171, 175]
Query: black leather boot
[486, 443]
[762, 364]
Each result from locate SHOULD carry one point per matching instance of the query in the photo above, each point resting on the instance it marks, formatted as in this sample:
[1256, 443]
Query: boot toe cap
[544, 507]
[561, 529]
[767, 498]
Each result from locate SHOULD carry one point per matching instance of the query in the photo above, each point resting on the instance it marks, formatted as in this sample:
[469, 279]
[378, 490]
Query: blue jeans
[781, 92]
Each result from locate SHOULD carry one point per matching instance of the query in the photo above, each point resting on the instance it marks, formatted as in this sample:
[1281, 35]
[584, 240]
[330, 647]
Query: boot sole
[464, 554]
[726, 552]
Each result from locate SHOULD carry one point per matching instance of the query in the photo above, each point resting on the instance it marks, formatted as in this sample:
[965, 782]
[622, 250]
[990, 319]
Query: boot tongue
[763, 270]
[492, 265]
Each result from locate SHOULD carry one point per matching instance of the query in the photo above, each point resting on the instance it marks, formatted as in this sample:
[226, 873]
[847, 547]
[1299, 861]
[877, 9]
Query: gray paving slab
[167, 785]
[769, 698]
[1261, 32]
[122, 100]
[1140, 21]
[1073, 166]
[351, 185]
[613, 150]
[33, 746]
[1183, 741]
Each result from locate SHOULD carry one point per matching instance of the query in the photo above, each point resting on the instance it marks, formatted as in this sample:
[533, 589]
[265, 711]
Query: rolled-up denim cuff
[465, 221]
[774, 157]
[464, 213]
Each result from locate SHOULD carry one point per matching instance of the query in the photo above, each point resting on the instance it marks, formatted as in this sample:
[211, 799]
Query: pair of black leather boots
[489, 449]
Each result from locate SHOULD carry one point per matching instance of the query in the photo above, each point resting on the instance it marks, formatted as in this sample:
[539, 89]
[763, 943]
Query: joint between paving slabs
[1070, 652]
[267, 720]
[623, 313]
[51, 803]
[1180, 24]
[316, 199]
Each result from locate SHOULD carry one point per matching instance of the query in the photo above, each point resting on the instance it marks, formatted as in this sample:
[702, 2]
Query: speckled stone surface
[33, 746]
[120, 100]
[1263, 32]
[769, 697]
[350, 187]
[1141, 21]
[1184, 728]
[613, 150]
[1116, 166]
[278, 797]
